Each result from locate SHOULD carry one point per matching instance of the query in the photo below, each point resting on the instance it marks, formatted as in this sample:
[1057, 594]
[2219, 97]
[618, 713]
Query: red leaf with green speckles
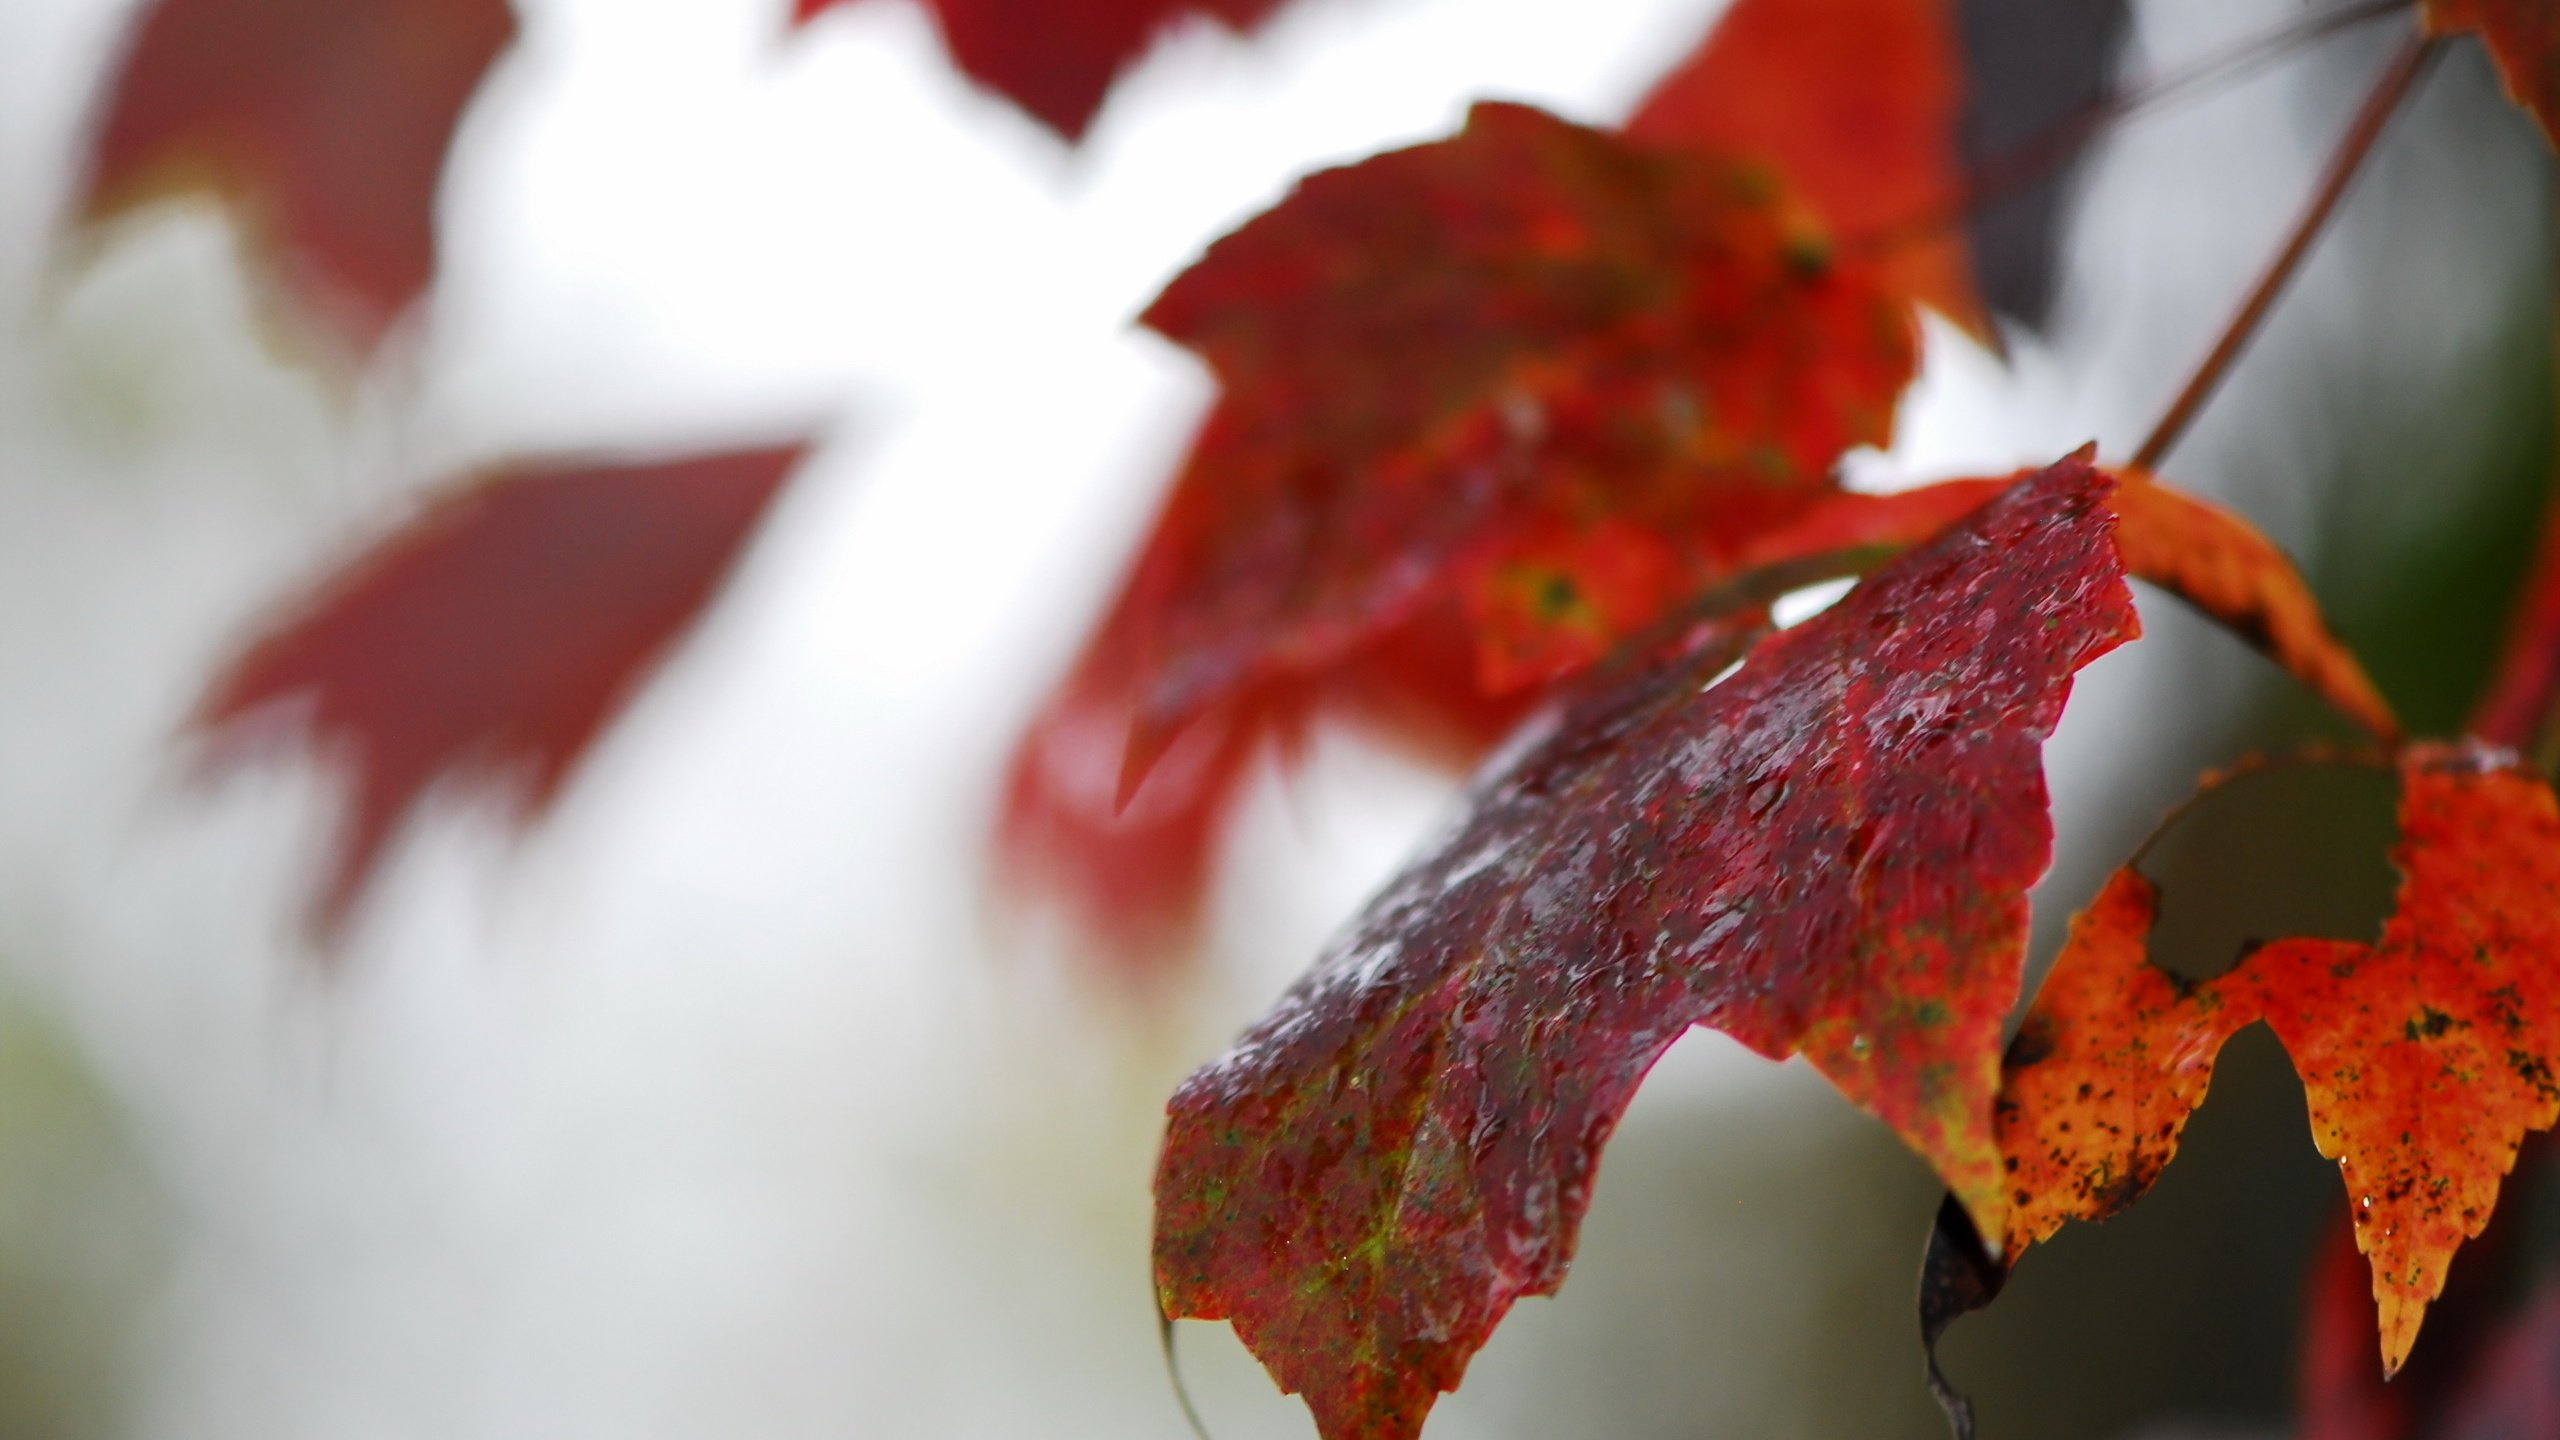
[1826, 853]
[327, 121]
[495, 634]
[1496, 402]
[2426, 1056]
[2523, 36]
[1057, 58]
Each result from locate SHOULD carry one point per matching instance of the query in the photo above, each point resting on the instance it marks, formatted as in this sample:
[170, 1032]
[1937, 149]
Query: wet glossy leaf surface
[1490, 406]
[1470, 368]
[326, 121]
[1827, 853]
[493, 636]
[1133, 877]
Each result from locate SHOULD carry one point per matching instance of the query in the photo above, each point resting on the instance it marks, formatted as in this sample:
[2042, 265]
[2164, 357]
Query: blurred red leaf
[1474, 354]
[1902, 122]
[1856, 103]
[2426, 1056]
[1826, 853]
[2521, 702]
[1136, 876]
[1057, 58]
[1489, 406]
[326, 121]
[2514, 1392]
[494, 634]
[2523, 36]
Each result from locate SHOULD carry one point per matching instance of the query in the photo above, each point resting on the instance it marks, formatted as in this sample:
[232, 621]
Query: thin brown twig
[2394, 85]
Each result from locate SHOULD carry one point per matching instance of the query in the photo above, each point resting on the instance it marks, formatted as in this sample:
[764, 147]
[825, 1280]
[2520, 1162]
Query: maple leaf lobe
[1827, 852]
[328, 121]
[1489, 406]
[2426, 1057]
[1449, 363]
[1903, 122]
[499, 630]
[1856, 103]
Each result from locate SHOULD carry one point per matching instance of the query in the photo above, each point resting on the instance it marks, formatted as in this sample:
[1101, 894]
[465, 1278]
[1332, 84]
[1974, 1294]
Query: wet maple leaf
[2426, 1056]
[1490, 405]
[1057, 58]
[495, 633]
[2523, 37]
[1135, 875]
[1826, 853]
[2339, 1394]
[326, 121]
[1449, 363]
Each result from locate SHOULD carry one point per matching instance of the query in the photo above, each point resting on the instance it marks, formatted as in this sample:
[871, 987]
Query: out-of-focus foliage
[81, 1241]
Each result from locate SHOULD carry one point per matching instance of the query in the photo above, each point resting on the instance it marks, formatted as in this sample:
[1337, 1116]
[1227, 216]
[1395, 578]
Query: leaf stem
[1173, 1372]
[2396, 82]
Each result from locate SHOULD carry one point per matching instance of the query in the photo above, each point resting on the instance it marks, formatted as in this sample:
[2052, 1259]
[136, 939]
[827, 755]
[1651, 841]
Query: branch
[2398, 79]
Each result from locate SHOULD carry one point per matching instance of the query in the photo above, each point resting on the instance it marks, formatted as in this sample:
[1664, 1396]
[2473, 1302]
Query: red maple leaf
[1826, 853]
[2426, 1056]
[495, 633]
[326, 121]
[1856, 102]
[1509, 396]
[1907, 125]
